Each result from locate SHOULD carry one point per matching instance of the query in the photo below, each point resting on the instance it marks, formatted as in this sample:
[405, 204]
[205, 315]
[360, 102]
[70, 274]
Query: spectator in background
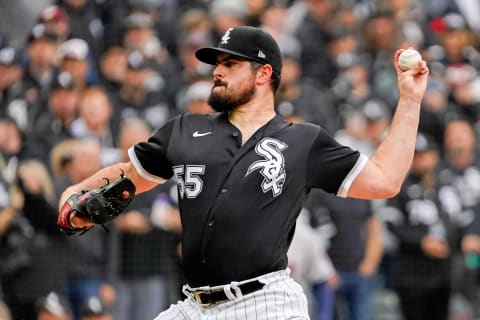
[272, 18]
[381, 36]
[141, 94]
[255, 8]
[355, 250]
[13, 149]
[457, 56]
[427, 232]
[343, 47]
[378, 116]
[194, 20]
[13, 102]
[140, 35]
[226, 14]
[147, 243]
[410, 18]
[313, 34]
[39, 72]
[112, 13]
[113, 68]
[460, 163]
[74, 58]
[195, 33]
[435, 111]
[164, 15]
[53, 306]
[459, 174]
[89, 258]
[195, 98]
[351, 87]
[96, 121]
[303, 98]
[11, 202]
[353, 132]
[192, 69]
[312, 268]
[34, 259]
[54, 123]
[85, 23]
[56, 21]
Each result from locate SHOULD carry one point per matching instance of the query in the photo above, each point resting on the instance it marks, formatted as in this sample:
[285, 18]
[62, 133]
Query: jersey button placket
[224, 190]
[210, 223]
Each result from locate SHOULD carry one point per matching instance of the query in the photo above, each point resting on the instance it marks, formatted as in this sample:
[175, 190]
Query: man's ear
[264, 74]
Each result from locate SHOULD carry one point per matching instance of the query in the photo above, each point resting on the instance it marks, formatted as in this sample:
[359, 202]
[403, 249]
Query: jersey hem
[354, 172]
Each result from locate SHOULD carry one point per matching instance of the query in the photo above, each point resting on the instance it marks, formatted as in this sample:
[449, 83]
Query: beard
[225, 100]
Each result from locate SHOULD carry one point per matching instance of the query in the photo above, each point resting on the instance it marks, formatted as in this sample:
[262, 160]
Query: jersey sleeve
[332, 166]
[150, 157]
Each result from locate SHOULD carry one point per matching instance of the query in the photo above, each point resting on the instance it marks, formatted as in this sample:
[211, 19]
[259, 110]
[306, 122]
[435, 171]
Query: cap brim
[209, 55]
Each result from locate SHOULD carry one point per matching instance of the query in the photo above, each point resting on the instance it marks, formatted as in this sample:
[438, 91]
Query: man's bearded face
[225, 98]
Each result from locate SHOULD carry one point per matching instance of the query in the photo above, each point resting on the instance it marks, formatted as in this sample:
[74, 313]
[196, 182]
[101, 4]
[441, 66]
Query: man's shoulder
[306, 127]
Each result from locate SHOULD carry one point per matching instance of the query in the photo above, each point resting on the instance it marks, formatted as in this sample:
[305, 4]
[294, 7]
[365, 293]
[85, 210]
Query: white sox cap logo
[226, 36]
[273, 167]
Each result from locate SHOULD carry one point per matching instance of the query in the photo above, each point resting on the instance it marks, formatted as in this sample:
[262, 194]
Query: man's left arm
[383, 175]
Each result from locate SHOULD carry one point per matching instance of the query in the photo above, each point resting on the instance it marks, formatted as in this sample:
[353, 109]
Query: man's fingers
[421, 68]
[79, 222]
[395, 60]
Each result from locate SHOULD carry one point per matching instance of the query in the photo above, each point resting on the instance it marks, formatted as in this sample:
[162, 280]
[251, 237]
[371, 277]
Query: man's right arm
[99, 179]
[383, 175]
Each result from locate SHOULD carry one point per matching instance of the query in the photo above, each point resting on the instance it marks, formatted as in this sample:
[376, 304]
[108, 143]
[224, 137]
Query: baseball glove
[98, 206]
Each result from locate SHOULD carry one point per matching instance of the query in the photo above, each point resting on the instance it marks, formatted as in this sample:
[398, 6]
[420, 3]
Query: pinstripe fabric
[280, 299]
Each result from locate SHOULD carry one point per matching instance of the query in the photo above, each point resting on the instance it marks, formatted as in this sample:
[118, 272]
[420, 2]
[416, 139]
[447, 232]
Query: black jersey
[239, 203]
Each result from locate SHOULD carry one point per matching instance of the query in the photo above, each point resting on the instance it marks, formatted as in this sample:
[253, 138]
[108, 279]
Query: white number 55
[188, 180]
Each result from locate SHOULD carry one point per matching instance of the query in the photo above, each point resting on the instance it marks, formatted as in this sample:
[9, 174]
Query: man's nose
[217, 72]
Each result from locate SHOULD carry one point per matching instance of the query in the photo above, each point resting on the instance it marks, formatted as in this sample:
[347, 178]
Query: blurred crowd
[90, 78]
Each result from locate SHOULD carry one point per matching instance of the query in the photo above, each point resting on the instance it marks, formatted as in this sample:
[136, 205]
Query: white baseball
[409, 59]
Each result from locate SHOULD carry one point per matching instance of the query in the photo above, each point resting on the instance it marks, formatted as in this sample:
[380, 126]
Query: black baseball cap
[247, 42]
[94, 307]
[10, 56]
[40, 32]
[63, 80]
[55, 304]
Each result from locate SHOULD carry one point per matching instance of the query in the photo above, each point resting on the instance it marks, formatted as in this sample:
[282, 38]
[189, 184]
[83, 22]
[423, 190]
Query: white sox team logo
[226, 36]
[273, 167]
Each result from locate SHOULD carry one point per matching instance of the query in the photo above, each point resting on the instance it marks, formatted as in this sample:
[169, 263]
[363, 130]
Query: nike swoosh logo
[197, 134]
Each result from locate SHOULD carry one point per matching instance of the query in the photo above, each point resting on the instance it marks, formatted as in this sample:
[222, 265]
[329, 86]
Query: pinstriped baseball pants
[280, 299]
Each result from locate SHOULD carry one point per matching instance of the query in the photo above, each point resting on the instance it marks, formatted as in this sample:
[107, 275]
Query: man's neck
[252, 116]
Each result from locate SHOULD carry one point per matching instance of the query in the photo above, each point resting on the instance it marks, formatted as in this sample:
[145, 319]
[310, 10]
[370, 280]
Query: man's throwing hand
[412, 83]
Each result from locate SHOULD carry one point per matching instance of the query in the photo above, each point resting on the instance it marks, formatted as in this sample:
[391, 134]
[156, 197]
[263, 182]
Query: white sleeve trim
[354, 172]
[141, 171]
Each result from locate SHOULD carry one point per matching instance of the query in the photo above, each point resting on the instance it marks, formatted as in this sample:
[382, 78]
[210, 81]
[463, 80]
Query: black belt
[214, 296]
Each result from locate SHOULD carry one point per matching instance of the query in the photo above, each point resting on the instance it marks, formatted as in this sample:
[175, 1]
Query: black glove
[99, 206]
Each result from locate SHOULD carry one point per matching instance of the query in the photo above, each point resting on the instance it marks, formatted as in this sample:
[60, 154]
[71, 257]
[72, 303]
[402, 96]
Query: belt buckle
[196, 295]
